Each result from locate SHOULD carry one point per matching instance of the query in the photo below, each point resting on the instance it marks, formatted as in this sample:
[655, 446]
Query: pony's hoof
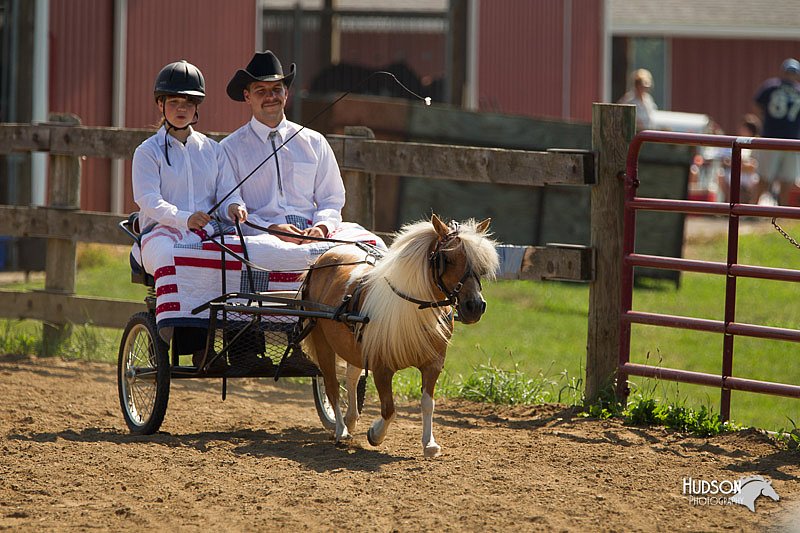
[432, 450]
[371, 439]
[351, 425]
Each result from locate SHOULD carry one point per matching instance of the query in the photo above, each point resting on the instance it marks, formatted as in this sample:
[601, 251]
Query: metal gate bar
[728, 327]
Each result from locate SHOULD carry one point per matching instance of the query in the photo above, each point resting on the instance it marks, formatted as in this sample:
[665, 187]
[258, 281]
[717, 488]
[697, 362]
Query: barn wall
[81, 77]
[521, 50]
[218, 37]
[719, 77]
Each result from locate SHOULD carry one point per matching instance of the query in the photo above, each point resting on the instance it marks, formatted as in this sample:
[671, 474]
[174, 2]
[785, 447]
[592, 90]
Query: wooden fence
[360, 157]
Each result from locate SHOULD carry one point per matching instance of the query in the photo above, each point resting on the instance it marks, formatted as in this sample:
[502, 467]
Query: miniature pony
[410, 296]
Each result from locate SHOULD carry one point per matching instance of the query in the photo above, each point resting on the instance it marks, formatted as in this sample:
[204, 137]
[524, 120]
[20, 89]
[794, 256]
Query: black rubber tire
[324, 409]
[143, 398]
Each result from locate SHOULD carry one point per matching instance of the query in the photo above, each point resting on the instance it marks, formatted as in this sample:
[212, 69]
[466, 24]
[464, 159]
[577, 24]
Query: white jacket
[198, 176]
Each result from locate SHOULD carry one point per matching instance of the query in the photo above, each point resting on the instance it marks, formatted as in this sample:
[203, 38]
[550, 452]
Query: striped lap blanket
[196, 273]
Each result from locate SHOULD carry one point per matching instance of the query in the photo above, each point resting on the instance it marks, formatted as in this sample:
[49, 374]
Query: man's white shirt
[310, 182]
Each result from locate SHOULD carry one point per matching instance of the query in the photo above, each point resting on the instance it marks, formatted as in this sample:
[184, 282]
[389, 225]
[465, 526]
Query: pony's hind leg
[430, 374]
[352, 414]
[326, 360]
[382, 377]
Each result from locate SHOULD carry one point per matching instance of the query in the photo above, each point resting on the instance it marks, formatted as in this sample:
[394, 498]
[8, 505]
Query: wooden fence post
[64, 191]
[613, 127]
[360, 187]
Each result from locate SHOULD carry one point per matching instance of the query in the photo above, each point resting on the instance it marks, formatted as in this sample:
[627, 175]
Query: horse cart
[247, 334]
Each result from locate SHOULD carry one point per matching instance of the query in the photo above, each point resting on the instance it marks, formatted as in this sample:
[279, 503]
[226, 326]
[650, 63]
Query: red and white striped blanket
[191, 274]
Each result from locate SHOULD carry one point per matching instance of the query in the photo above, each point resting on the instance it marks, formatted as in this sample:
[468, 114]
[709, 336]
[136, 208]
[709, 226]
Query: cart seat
[138, 275]
[131, 227]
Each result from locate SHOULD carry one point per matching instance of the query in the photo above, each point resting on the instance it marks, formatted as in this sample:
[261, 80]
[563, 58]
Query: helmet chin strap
[171, 126]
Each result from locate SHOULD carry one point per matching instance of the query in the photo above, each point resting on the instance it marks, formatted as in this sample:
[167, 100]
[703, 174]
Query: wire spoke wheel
[143, 375]
[324, 407]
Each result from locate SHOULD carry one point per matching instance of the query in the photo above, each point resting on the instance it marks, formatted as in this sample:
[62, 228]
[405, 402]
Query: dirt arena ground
[261, 461]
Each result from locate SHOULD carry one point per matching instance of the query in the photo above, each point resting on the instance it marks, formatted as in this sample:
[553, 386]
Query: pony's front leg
[352, 415]
[326, 360]
[383, 383]
[430, 374]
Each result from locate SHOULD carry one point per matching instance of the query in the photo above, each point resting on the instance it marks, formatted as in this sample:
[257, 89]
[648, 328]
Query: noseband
[436, 263]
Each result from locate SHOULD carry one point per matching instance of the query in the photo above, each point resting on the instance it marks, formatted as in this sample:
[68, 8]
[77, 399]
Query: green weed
[20, 337]
[91, 343]
[491, 384]
[790, 438]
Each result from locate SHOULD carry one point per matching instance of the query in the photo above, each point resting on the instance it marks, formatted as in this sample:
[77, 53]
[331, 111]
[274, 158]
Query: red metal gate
[728, 326]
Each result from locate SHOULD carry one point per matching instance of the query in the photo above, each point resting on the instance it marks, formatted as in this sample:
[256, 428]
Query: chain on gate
[785, 235]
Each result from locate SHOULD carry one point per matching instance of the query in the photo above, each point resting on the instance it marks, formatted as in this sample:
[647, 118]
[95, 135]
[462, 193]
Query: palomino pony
[409, 297]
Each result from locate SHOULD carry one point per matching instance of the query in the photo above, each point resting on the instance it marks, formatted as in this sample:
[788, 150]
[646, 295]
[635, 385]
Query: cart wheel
[324, 408]
[143, 372]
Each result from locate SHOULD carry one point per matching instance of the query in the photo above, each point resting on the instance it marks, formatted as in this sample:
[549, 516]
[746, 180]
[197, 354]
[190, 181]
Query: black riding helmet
[180, 78]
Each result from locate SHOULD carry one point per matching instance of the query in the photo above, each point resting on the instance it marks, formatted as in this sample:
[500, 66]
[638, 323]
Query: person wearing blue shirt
[777, 103]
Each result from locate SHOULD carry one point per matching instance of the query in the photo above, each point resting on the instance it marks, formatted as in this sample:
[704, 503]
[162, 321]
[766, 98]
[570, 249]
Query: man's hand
[314, 231]
[288, 228]
[198, 220]
[237, 212]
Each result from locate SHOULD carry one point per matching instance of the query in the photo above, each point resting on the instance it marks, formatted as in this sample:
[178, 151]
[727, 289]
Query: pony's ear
[483, 225]
[439, 226]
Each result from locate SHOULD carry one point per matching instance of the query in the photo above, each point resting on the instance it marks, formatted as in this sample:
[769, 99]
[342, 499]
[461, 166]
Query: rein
[373, 254]
[305, 237]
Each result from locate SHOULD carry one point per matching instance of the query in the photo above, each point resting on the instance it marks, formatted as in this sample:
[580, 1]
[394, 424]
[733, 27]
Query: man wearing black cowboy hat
[299, 190]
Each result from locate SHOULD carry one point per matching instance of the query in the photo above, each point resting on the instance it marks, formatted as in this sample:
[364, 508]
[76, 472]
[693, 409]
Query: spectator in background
[639, 95]
[778, 104]
[750, 126]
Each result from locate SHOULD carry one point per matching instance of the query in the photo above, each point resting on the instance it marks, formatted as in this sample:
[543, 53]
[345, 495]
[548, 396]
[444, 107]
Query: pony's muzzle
[471, 310]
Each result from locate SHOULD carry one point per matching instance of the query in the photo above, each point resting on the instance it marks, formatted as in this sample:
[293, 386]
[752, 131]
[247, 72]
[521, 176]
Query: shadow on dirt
[312, 448]
[464, 416]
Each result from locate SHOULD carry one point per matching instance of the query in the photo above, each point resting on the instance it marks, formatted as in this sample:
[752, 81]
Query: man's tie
[272, 136]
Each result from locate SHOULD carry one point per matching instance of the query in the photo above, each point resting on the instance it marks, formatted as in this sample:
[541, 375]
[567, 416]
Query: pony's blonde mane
[400, 334]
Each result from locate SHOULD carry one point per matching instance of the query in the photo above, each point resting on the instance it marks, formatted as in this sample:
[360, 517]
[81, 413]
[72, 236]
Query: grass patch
[22, 337]
[647, 410]
[490, 383]
[103, 271]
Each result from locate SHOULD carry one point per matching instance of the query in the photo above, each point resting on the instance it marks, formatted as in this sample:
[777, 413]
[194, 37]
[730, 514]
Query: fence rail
[360, 156]
[731, 269]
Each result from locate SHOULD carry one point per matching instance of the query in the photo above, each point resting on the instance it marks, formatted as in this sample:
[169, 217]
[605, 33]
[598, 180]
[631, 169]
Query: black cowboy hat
[263, 67]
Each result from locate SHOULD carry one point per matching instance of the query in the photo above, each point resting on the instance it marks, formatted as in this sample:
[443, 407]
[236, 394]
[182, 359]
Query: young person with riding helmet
[298, 192]
[178, 175]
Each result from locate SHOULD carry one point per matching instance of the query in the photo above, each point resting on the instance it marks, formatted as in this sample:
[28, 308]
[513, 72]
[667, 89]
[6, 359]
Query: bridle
[437, 265]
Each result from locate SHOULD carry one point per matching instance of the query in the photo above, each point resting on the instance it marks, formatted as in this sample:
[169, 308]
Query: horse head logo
[751, 488]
